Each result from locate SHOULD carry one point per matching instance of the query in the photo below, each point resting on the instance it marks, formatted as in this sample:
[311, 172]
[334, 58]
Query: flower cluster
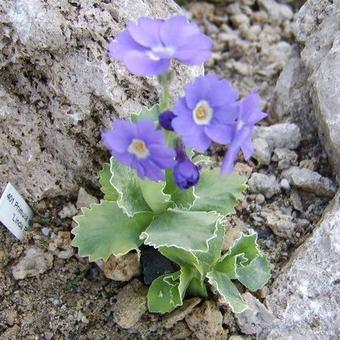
[210, 112]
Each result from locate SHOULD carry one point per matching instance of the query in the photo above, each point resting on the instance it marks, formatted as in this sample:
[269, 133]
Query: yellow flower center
[138, 148]
[202, 113]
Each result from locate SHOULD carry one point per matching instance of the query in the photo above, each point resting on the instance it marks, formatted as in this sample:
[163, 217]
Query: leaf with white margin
[222, 283]
[110, 194]
[153, 193]
[244, 250]
[217, 192]
[145, 113]
[189, 230]
[104, 229]
[167, 292]
[182, 198]
[256, 274]
[126, 182]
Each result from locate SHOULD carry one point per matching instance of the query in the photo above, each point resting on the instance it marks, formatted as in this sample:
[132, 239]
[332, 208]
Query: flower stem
[164, 81]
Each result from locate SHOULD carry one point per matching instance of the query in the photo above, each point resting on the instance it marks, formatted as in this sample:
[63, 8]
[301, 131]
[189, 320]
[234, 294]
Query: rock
[264, 184]
[310, 181]
[85, 199]
[60, 93]
[305, 295]
[61, 245]
[254, 319]
[205, 321]
[276, 12]
[180, 313]
[68, 211]
[317, 30]
[283, 135]
[180, 331]
[284, 184]
[122, 268]
[281, 224]
[36, 261]
[262, 151]
[239, 337]
[284, 157]
[130, 305]
[291, 101]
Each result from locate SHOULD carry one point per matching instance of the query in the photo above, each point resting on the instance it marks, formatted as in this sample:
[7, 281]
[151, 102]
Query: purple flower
[206, 112]
[147, 47]
[186, 173]
[249, 113]
[165, 120]
[140, 146]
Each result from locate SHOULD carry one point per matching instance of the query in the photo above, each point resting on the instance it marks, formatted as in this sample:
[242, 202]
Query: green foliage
[146, 113]
[104, 229]
[186, 226]
[110, 194]
[216, 192]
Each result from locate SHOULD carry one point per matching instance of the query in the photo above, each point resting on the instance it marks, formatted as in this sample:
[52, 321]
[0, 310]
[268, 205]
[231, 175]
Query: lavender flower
[186, 173]
[165, 120]
[206, 113]
[249, 113]
[140, 146]
[147, 47]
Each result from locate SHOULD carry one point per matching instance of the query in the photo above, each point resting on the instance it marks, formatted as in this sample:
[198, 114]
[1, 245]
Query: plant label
[15, 213]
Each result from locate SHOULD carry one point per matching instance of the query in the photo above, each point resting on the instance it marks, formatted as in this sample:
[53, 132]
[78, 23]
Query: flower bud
[186, 174]
[165, 120]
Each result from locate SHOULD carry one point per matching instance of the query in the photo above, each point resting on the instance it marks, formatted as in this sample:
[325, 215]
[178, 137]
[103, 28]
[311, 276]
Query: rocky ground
[48, 292]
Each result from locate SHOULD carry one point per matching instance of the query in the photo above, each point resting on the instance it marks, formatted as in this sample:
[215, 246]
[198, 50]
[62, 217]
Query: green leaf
[245, 245]
[160, 296]
[110, 194]
[167, 292]
[147, 113]
[244, 250]
[208, 259]
[103, 230]
[256, 274]
[197, 287]
[126, 182]
[189, 230]
[182, 198]
[153, 193]
[216, 192]
[227, 289]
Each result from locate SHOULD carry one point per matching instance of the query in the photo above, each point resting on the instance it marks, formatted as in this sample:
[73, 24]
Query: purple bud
[165, 120]
[186, 174]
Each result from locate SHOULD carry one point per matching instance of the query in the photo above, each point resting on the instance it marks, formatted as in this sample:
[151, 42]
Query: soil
[74, 300]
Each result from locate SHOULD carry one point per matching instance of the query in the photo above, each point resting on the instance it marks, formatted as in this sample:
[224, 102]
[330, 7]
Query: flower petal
[176, 30]
[140, 64]
[146, 31]
[122, 44]
[222, 134]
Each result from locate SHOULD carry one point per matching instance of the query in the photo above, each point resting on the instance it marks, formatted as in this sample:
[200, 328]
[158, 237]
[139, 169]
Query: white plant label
[15, 213]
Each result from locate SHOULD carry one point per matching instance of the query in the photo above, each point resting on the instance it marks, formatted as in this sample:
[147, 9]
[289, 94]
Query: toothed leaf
[182, 198]
[153, 193]
[127, 184]
[104, 229]
[216, 192]
[110, 194]
[256, 274]
[167, 291]
[189, 230]
[227, 289]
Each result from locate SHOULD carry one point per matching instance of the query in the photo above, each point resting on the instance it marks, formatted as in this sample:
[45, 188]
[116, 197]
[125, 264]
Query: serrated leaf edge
[74, 231]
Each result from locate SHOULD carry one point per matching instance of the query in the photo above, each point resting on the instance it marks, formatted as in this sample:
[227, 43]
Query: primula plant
[159, 189]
